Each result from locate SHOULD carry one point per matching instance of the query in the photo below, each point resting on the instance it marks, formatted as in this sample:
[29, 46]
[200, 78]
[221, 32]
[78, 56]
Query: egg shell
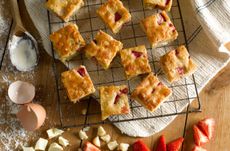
[31, 116]
[21, 92]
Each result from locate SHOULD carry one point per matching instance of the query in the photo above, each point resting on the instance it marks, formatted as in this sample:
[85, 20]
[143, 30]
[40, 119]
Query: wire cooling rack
[184, 91]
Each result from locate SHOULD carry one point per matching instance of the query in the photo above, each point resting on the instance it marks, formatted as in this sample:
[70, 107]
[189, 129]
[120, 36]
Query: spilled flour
[12, 135]
[5, 20]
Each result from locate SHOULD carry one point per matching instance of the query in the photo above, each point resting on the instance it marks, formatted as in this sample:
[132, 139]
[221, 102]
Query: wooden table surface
[215, 99]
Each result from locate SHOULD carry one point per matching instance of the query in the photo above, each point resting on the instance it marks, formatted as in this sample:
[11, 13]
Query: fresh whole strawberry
[139, 145]
[198, 148]
[199, 137]
[161, 146]
[207, 127]
[90, 147]
[175, 145]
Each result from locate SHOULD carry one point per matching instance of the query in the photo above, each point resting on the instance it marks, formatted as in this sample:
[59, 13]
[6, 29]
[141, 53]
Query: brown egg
[21, 92]
[31, 116]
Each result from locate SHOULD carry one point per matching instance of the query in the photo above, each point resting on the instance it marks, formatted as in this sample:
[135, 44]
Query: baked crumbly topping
[64, 9]
[151, 93]
[159, 29]
[135, 61]
[114, 14]
[77, 83]
[177, 64]
[114, 100]
[103, 48]
[67, 41]
[161, 4]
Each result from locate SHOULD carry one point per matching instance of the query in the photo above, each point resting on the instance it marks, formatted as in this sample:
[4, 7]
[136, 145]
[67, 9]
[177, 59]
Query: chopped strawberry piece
[197, 148]
[125, 90]
[207, 127]
[124, 109]
[172, 26]
[137, 54]
[81, 71]
[161, 19]
[161, 144]
[90, 147]
[176, 52]
[159, 84]
[95, 41]
[167, 2]
[180, 70]
[139, 145]
[199, 136]
[116, 99]
[175, 145]
[117, 16]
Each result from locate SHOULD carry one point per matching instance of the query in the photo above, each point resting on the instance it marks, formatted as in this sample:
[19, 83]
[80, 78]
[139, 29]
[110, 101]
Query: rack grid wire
[184, 91]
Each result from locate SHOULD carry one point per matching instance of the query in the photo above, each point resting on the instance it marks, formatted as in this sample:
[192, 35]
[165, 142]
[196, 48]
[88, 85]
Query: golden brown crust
[77, 83]
[64, 9]
[67, 41]
[107, 13]
[161, 4]
[114, 100]
[159, 29]
[177, 64]
[104, 48]
[151, 93]
[135, 61]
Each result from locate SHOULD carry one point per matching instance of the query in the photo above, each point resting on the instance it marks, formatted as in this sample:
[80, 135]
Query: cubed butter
[41, 144]
[55, 147]
[101, 131]
[106, 138]
[64, 142]
[112, 145]
[85, 129]
[27, 148]
[54, 132]
[123, 147]
[83, 135]
[96, 141]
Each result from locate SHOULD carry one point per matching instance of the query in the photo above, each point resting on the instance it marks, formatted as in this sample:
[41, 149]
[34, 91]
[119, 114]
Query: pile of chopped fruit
[203, 132]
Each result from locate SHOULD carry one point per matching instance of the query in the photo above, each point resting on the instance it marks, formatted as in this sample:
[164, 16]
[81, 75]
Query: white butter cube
[54, 132]
[64, 142]
[112, 145]
[55, 147]
[85, 129]
[27, 148]
[123, 147]
[106, 138]
[41, 144]
[101, 131]
[83, 135]
[96, 141]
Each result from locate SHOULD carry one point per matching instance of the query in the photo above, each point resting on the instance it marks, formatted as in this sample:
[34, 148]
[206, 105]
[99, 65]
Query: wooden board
[215, 100]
